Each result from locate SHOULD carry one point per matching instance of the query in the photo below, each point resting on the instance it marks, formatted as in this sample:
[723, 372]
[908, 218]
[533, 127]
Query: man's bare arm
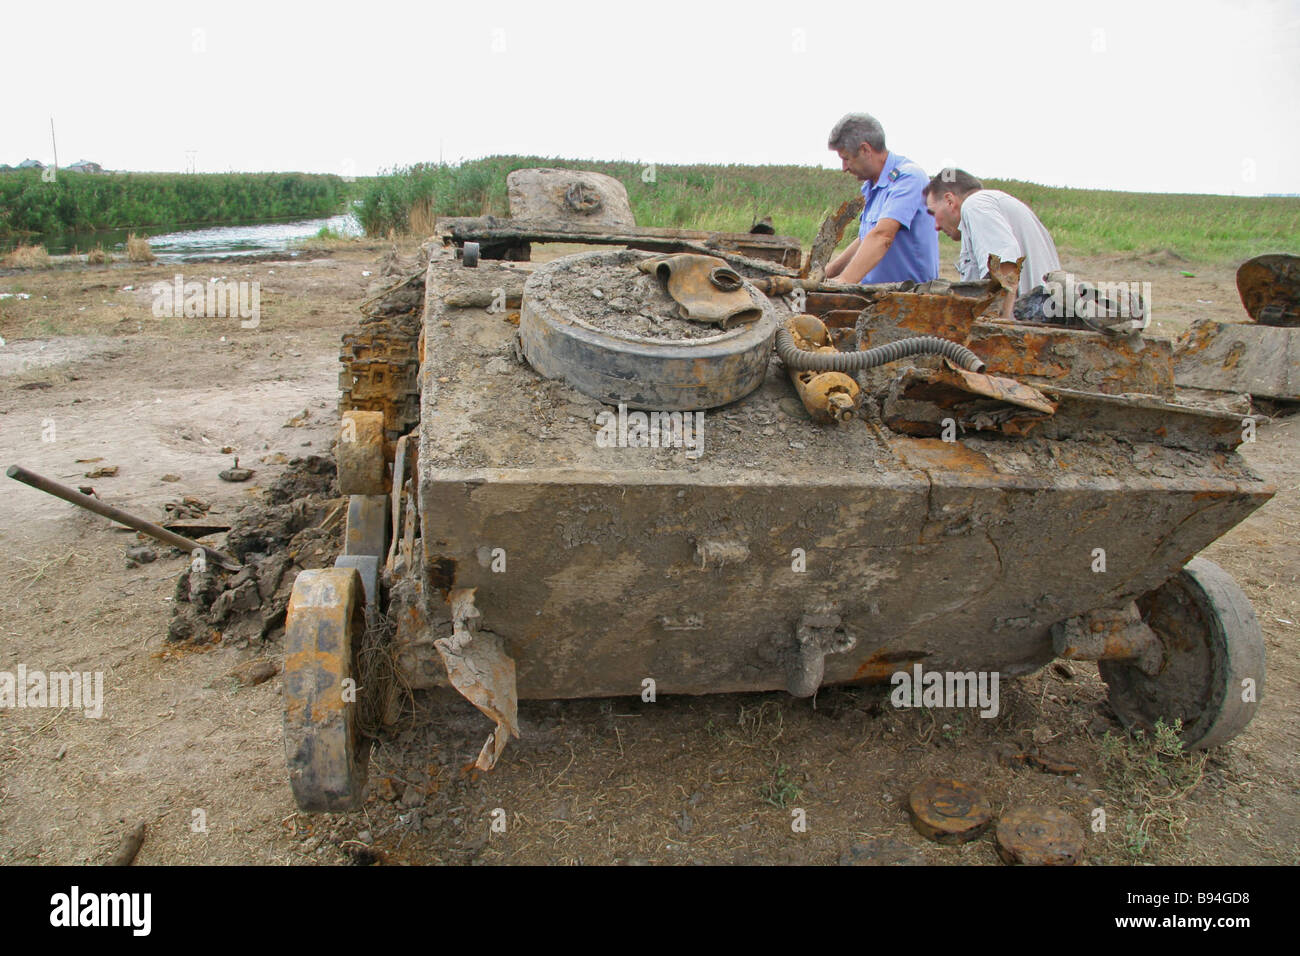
[839, 262]
[870, 251]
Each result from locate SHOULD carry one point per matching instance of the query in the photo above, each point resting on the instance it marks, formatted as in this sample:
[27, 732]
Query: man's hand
[871, 248]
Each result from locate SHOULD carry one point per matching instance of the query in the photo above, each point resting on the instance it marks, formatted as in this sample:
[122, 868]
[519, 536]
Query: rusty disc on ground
[948, 811]
[1039, 836]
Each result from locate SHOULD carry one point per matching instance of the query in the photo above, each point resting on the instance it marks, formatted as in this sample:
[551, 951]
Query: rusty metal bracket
[820, 631]
[479, 667]
[1112, 634]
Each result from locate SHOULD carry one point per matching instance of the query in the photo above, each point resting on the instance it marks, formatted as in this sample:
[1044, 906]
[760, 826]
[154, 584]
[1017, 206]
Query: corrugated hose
[800, 360]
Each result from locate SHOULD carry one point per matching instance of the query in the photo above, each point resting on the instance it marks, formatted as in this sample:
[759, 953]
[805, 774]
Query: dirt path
[199, 757]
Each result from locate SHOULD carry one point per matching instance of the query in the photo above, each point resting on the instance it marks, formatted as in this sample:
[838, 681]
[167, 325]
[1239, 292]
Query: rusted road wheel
[323, 627]
[1213, 671]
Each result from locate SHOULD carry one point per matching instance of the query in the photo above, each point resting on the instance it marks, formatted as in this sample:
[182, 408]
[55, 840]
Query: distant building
[30, 164]
[84, 166]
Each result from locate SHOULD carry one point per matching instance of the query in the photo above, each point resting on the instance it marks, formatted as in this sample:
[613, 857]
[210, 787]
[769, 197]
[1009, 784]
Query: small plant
[98, 257]
[780, 791]
[138, 250]
[1151, 775]
[28, 257]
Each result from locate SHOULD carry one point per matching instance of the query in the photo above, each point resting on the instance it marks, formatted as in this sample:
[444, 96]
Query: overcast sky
[1188, 96]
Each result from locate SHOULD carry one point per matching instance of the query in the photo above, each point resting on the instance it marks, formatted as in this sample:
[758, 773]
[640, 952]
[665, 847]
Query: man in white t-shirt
[989, 222]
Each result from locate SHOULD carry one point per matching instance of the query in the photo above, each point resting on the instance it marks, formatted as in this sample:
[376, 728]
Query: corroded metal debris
[949, 811]
[1039, 836]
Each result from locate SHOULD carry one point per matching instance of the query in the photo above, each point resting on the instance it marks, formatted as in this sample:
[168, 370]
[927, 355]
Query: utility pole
[54, 145]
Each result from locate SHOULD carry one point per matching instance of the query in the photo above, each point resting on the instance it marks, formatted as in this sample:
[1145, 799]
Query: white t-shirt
[994, 223]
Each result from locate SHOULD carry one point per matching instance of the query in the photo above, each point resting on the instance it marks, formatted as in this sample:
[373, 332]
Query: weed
[1150, 775]
[780, 791]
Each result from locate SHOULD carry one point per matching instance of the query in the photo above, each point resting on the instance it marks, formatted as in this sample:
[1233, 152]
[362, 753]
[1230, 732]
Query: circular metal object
[1270, 289]
[948, 811]
[1213, 672]
[361, 462]
[469, 255]
[636, 370]
[326, 755]
[1039, 836]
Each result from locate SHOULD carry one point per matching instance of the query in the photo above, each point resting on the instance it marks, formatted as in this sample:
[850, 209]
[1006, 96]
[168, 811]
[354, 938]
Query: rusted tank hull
[600, 567]
[944, 562]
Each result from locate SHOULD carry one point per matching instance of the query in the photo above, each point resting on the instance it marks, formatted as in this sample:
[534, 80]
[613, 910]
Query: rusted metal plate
[1270, 289]
[326, 754]
[923, 402]
[949, 811]
[1141, 419]
[1083, 360]
[1039, 836]
[1262, 360]
[479, 667]
[901, 315]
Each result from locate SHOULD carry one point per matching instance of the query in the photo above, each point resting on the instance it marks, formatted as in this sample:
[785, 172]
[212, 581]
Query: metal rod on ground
[71, 495]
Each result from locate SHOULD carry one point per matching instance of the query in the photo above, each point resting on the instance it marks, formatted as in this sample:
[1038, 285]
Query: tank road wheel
[361, 461]
[469, 255]
[323, 628]
[1213, 671]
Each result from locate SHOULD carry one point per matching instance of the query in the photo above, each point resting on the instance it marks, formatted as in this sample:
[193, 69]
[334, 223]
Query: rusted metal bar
[488, 229]
[72, 496]
[828, 237]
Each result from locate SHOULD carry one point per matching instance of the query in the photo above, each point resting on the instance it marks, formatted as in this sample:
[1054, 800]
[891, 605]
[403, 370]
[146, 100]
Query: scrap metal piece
[1076, 358]
[1039, 836]
[92, 503]
[922, 401]
[949, 811]
[362, 465]
[1263, 360]
[1270, 289]
[399, 499]
[479, 667]
[828, 237]
[1109, 634]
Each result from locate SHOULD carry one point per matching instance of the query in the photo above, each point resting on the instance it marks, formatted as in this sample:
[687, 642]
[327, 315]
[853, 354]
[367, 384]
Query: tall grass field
[1082, 221]
[76, 202]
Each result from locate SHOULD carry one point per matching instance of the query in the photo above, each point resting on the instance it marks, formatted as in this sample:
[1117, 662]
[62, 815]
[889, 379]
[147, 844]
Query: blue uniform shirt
[897, 194]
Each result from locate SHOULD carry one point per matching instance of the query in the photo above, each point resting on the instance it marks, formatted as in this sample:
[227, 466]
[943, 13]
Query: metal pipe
[71, 495]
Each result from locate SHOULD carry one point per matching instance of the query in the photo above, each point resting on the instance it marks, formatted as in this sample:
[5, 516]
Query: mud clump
[299, 526]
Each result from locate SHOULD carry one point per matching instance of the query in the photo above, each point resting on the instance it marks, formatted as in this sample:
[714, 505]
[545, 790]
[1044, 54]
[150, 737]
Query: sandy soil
[87, 372]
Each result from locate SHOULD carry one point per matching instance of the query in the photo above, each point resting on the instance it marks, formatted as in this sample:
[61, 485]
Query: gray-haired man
[894, 241]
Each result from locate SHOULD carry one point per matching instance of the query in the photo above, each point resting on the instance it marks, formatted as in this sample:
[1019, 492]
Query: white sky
[1190, 96]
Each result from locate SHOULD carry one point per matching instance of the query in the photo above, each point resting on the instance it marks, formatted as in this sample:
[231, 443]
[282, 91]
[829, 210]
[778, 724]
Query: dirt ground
[87, 372]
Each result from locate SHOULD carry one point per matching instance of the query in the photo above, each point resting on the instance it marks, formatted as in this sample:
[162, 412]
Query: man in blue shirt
[896, 240]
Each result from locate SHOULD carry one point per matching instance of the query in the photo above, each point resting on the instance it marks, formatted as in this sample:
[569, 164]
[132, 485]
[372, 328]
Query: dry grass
[138, 250]
[28, 257]
[421, 218]
[98, 257]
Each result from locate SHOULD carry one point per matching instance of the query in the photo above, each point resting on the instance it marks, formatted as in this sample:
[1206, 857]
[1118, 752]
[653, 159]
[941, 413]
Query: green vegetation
[1150, 776]
[89, 201]
[1083, 222]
